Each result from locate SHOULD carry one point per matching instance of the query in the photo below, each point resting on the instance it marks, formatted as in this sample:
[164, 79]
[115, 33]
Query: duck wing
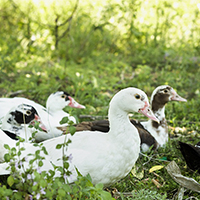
[145, 135]
[103, 126]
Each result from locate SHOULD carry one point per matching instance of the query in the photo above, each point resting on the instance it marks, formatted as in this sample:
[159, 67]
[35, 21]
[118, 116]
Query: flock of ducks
[18, 113]
[106, 149]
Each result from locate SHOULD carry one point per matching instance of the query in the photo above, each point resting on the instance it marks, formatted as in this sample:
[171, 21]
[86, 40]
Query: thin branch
[67, 30]
[70, 18]
[58, 38]
[151, 158]
[13, 94]
[56, 31]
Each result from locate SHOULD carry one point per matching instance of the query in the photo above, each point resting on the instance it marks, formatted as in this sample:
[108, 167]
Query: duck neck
[120, 126]
[159, 112]
[53, 110]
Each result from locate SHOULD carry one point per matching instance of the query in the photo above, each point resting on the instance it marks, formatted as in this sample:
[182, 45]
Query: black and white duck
[16, 122]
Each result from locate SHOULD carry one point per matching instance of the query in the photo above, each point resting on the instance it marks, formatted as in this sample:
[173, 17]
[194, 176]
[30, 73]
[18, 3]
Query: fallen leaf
[156, 167]
[179, 129]
[138, 175]
[175, 173]
[180, 193]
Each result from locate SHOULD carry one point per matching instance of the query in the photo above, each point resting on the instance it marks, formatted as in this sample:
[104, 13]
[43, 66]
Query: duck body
[94, 159]
[107, 157]
[159, 131]
[98, 165]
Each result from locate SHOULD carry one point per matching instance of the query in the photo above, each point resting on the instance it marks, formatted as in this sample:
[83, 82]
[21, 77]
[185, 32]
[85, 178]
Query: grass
[94, 89]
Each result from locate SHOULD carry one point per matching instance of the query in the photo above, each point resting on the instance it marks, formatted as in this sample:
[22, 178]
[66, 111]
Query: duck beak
[74, 104]
[176, 97]
[41, 125]
[148, 112]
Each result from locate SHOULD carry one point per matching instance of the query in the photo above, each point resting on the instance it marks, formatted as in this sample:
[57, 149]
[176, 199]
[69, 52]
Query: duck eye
[63, 96]
[165, 91]
[137, 96]
[28, 112]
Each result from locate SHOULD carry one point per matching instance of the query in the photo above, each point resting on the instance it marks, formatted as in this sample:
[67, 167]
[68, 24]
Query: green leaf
[163, 158]
[7, 157]
[44, 150]
[72, 129]
[52, 173]
[10, 181]
[18, 143]
[66, 165]
[64, 120]
[43, 183]
[13, 149]
[58, 146]
[36, 125]
[37, 153]
[22, 149]
[61, 192]
[99, 186]
[30, 126]
[40, 163]
[31, 161]
[79, 174]
[6, 146]
[106, 195]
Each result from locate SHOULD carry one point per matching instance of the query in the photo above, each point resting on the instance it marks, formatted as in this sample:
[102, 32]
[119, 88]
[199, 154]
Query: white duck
[50, 116]
[107, 157]
[16, 122]
[160, 96]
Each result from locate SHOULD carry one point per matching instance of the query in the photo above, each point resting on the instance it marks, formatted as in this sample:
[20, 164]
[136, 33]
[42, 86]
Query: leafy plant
[147, 194]
[27, 182]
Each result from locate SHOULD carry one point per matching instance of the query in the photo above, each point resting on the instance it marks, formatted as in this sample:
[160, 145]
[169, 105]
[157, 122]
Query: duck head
[59, 100]
[133, 100]
[23, 114]
[163, 94]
